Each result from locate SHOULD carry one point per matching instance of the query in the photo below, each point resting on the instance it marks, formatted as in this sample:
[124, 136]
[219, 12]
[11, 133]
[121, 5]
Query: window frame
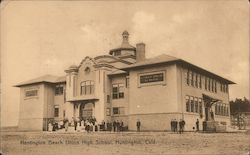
[119, 93]
[87, 87]
[56, 111]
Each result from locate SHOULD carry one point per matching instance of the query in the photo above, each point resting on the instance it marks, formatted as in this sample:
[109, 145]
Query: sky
[46, 37]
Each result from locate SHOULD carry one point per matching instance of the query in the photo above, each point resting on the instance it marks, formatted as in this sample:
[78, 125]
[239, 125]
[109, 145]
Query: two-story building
[124, 85]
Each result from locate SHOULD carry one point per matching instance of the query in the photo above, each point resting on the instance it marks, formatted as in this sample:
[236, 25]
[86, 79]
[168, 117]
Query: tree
[239, 105]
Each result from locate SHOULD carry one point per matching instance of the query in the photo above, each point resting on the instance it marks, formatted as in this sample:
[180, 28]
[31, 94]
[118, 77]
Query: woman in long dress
[66, 125]
[50, 127]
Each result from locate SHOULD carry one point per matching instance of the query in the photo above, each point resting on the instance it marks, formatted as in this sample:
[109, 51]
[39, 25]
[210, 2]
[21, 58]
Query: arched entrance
[86, 110]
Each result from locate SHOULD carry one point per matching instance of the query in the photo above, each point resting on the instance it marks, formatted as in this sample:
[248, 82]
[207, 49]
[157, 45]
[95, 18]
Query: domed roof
[73, 67]
[125, 32]
[125, 44]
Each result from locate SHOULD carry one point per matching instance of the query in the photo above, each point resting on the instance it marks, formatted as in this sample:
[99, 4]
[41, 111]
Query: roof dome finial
[125, 35]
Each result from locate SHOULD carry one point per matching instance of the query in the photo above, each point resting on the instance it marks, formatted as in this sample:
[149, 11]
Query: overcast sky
[45, 37]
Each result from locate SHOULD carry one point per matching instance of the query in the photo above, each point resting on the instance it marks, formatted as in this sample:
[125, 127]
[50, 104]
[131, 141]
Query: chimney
[140, 52]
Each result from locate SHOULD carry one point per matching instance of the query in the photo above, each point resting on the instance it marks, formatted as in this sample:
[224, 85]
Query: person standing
[183, 125]
[180, 126]
[172, 125]
[175, 124]
[50, 127]
[138, 124]
[75, 123]
[197, 125]
[114, 125]
[66, 124]
[117, 126]
[212, 114]
[121, 125]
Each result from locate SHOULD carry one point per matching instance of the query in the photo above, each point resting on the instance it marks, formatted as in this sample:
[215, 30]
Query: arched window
[87, 87]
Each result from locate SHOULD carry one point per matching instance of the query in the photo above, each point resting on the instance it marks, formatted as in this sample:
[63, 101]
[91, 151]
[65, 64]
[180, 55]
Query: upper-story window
[224, 88]
[200, 82]
[59, 90]
[215, 86]
[87, 87]
[117, 91]
[196, 80]
[187, 77]
[193, 79]
[31, 93]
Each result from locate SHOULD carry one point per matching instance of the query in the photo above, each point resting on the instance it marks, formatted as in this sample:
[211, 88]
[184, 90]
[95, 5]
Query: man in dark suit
[138, 124]
[114, 125]
[197, 125]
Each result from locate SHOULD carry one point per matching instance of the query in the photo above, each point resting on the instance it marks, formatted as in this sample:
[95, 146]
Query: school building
[124, 85]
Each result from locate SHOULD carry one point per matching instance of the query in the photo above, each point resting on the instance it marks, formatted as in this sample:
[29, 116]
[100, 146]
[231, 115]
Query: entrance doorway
[86, 110]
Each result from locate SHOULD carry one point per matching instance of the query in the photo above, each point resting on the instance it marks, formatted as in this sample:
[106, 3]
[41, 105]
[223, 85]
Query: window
[196, 104]
[192, 103]
[216, 109]
[118, 111]
[205, 83]
[192, 78]
[115, 111]
[108, 111]
[56, 111]
[108, 98]
[187, 104]
[225, 110]
[127, 82]
[215, 86]
[87, 87]
[212, 85]
[221, 109]
[87, 70]
[209, 84]
[31, 93]
[196, 80]
[200, 83]
[118, 91]
[115, 91]
[121, 90]
[200, 105]
[59, 90]
[187, 77]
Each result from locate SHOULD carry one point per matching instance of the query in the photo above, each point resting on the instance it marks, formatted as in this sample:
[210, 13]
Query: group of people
[116, 126]
[174, 125]
[89, 124]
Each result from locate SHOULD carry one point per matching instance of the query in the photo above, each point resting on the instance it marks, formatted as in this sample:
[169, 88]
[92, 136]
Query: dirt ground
[144, 143]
